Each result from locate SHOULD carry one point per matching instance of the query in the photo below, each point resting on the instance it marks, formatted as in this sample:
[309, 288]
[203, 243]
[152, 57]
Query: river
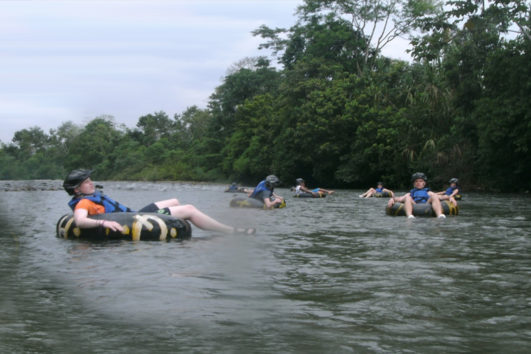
[331, 275]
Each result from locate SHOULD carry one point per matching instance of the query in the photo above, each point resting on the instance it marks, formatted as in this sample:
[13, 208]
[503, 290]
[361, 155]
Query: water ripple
[332, 275]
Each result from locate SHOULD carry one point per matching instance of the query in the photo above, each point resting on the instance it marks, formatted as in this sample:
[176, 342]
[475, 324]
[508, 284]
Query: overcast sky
[78, 59]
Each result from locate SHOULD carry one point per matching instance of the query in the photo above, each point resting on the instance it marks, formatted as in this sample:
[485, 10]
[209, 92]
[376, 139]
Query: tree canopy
[333, 109]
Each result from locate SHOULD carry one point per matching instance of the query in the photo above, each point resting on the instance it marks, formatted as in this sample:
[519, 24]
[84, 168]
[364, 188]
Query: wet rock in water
[30, 185]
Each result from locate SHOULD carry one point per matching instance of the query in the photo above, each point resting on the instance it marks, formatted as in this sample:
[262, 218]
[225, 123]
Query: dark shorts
[153, 208]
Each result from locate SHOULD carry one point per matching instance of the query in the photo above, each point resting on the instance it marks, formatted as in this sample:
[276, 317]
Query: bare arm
[271, 203]
[268, 203]
[390, 192]
[277, 196]
[396, 199]
[304, 189]
[83, 221]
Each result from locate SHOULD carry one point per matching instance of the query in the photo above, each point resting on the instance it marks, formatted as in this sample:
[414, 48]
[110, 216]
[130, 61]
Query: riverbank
[55, 185]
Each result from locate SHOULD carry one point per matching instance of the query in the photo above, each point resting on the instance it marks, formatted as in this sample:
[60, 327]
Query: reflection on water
[332, 275]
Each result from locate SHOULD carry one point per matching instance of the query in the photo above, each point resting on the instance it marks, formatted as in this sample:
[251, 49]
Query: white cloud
[76, 60]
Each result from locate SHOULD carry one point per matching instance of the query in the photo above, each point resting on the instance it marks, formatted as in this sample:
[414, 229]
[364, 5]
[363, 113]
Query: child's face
[419, 183]
[453, 185]
[86, 187]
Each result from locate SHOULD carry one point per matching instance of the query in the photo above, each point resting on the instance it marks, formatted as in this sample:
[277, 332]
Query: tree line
[327, 106]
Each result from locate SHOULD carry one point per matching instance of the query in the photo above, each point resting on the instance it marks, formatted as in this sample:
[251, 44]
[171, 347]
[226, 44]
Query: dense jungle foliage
[328, 107]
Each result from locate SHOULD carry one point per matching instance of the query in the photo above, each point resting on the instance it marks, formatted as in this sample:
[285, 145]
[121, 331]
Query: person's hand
[113, 225]
[391, 202]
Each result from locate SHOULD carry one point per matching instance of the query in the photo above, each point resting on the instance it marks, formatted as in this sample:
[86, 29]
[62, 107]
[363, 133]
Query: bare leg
[369, 193]
[167, 203]
[325, 191]
[199, 219]
[435, 204]
[446, 197]
[408, 206]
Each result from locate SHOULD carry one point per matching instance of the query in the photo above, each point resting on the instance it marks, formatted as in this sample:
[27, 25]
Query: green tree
[129, 160]
[33, 154]
[463, 42]
[248, 154]
[30, 141]
[93, 146]
[154, 127]
[237, 87]
[192, 126]
[504, 119]
[370, 25]
[9, 167]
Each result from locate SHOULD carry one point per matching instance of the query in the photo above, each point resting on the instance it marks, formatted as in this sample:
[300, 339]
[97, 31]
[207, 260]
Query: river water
[331, 275]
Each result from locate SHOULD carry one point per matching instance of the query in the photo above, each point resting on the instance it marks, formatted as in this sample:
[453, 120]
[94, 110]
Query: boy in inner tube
[264, 192]
[452, 193]
[301, 188]
[420, 194]
[87, 201]
[379, 189]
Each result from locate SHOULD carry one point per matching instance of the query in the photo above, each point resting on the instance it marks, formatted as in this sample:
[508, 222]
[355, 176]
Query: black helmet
[418, 175]
[74, 179]
[379, 183]
[272, 181]
[453, 180]
[299, 181]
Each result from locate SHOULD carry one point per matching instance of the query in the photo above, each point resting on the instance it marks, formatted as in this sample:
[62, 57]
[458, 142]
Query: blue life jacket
[420, 196]
[258, 192]
[379, 190]
[450, 190]
[111, 206]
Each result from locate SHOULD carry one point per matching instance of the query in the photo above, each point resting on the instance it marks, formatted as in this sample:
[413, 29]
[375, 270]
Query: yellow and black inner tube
[382, 195]
[252, 203]
[397, 209]
[137, 227]
[309, 195]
